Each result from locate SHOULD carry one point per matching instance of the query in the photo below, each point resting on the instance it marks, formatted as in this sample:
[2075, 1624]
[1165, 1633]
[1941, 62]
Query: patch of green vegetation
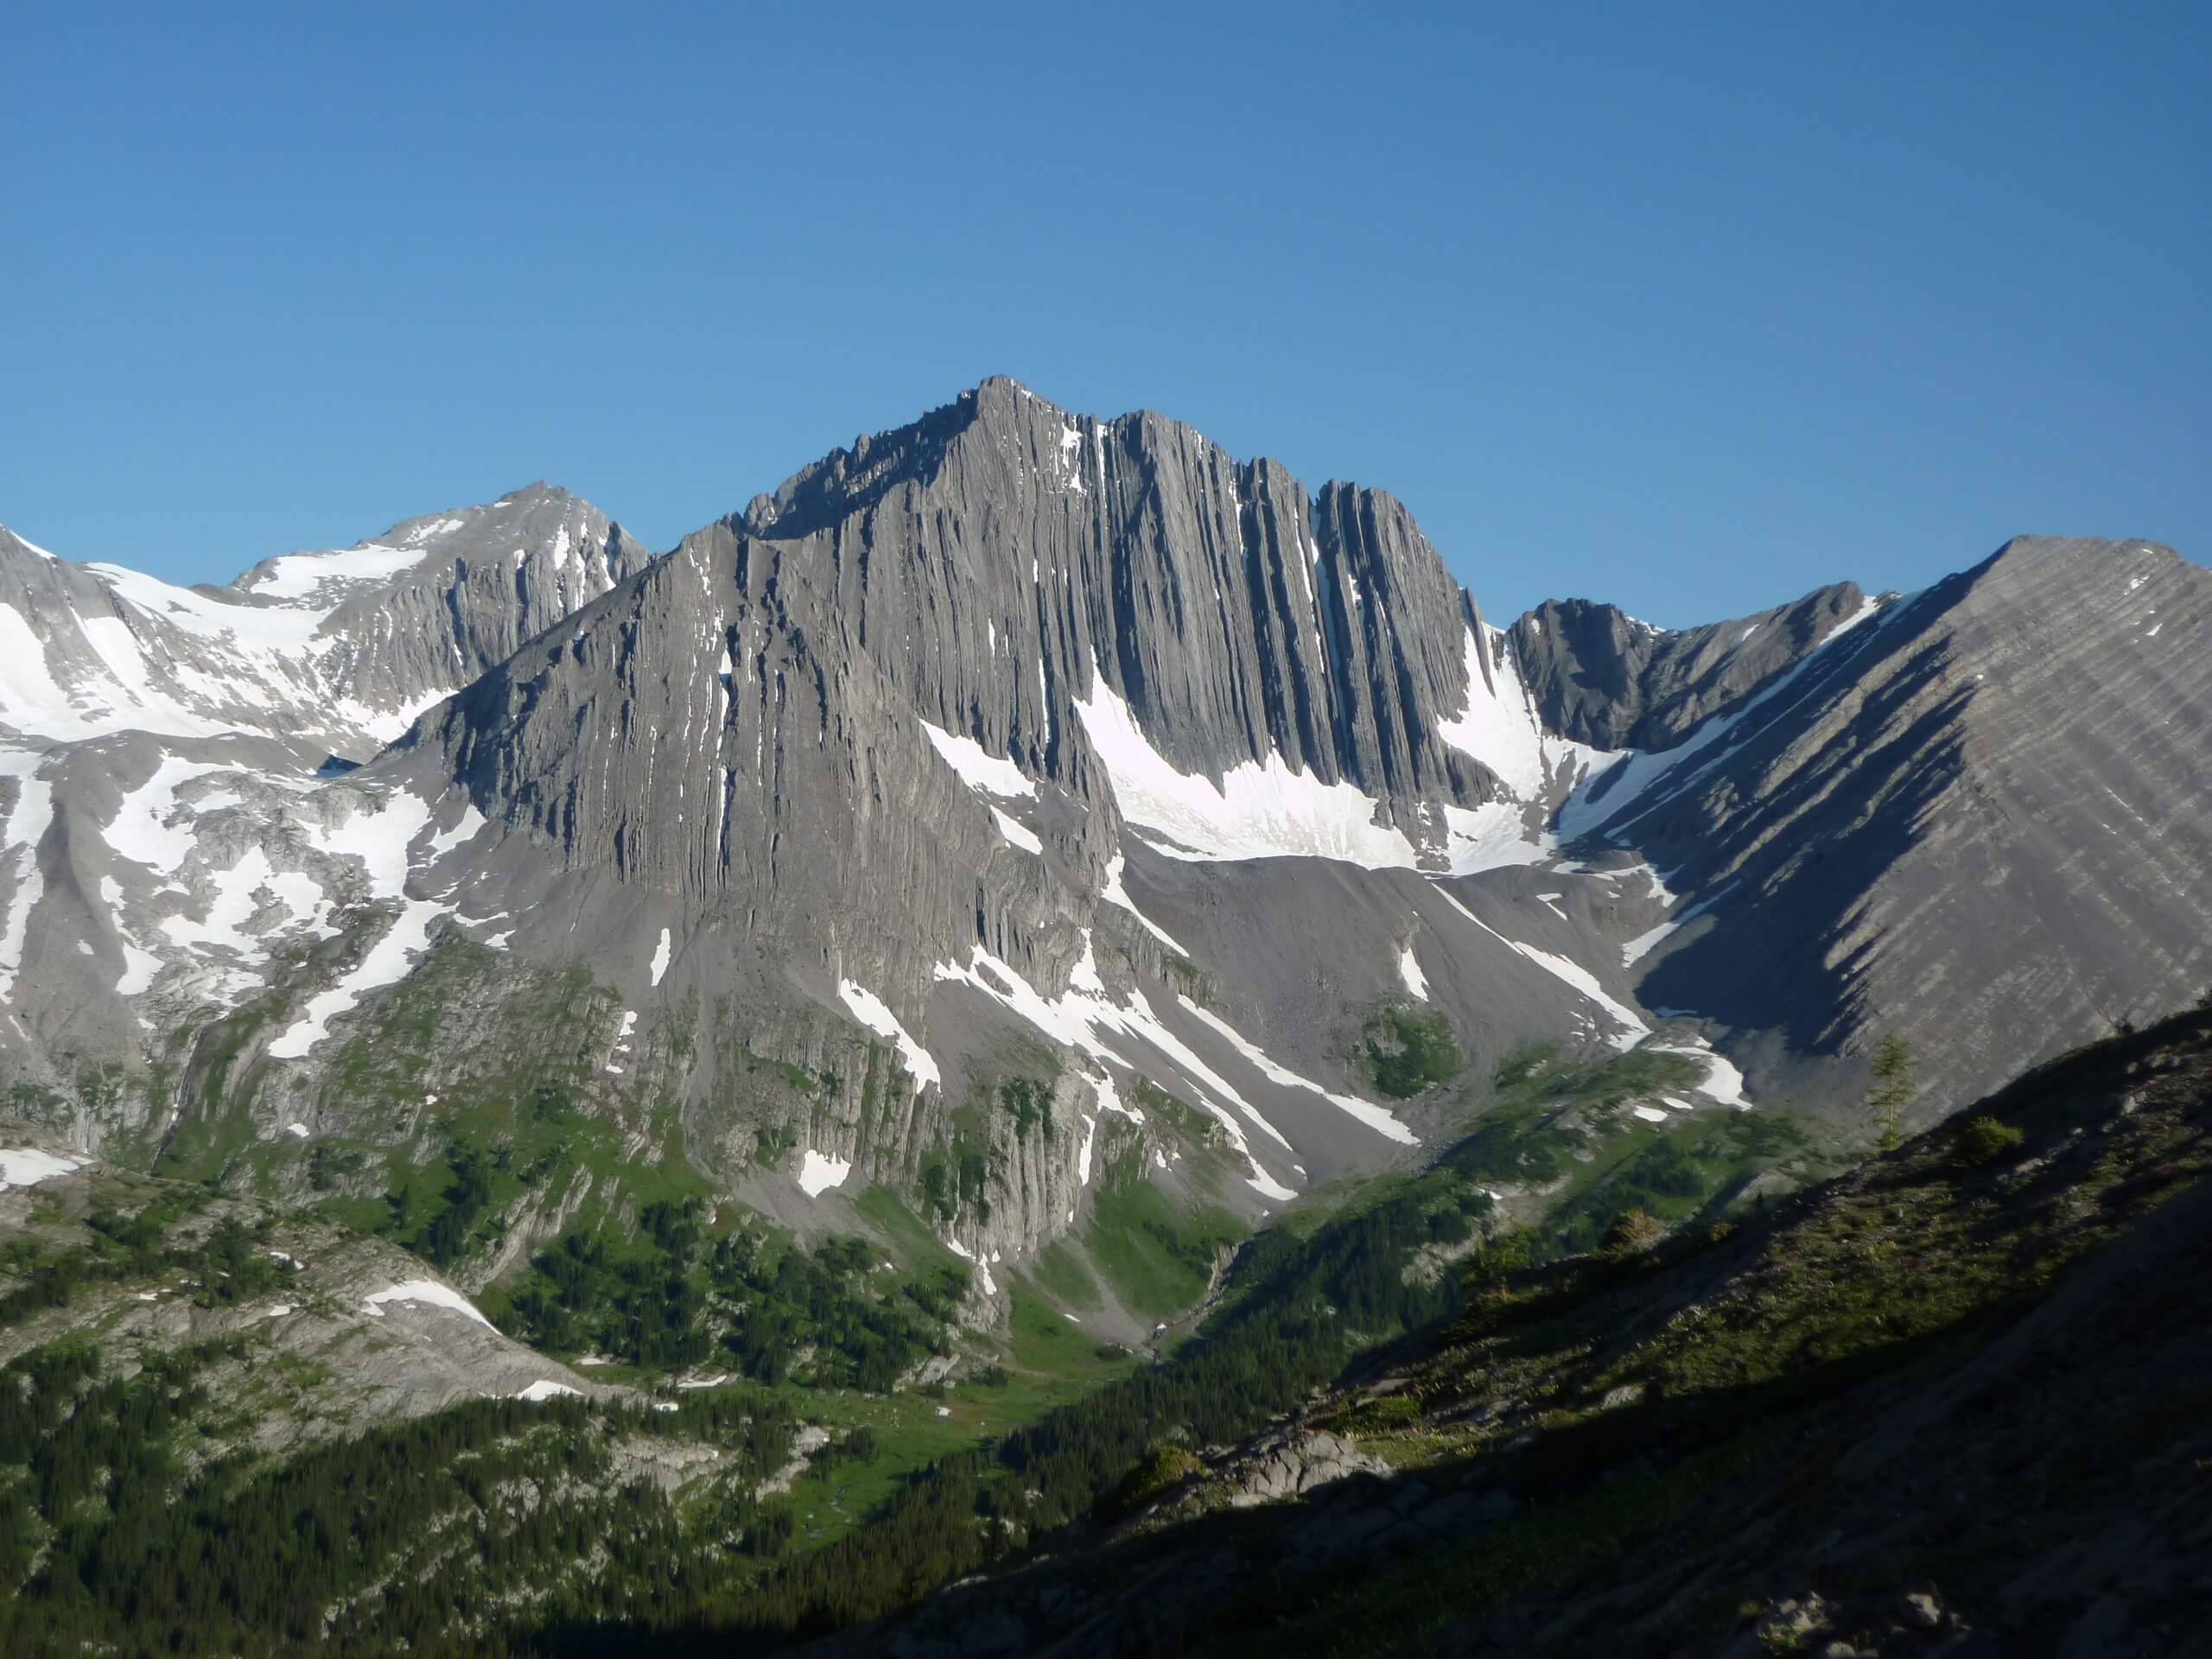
[1906, 1267]
[959, 1179]
[1405, 1050]
[231, 1264]
[910, 1239]
[672, 1296]
[800, 1081]
[1054, 1359]
[1523, 1064]
[1164, 1465]
[1671, 1175]
[871, 1085]
[1558, 1126]
[1178, 1114]
[1049, 1364]
[1983, 1140]
[1063, 1276]
[206, 1142]
[1157, 1257]
[34, 1103]
[1030, 1103]
[1302, 1307]
[1380, 1413]
[1344, 1613]
[365, 1542]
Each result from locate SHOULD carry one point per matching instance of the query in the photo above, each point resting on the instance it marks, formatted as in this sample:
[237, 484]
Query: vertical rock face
[871, 740]
[1017, 747]
[991, 554]
[745, 727]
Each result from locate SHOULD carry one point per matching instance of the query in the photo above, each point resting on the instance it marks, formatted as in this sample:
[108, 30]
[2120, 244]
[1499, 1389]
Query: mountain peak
[11, 543]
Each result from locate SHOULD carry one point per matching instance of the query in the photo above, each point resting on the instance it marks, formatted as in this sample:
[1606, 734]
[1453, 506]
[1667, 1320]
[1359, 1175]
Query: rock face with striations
[872, 746]
[902, 826]
[1976, 820]
[995, 551]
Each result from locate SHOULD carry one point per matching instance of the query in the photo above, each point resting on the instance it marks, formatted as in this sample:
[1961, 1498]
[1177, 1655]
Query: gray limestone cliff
[904, 823]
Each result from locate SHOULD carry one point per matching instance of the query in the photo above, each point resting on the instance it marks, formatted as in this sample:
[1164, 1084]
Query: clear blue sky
[1688, 307]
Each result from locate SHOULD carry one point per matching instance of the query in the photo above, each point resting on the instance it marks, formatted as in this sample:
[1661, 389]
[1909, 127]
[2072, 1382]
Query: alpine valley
[1043, 999]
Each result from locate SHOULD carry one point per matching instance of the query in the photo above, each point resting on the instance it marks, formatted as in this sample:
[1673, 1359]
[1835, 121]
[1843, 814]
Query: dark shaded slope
[1972, 1373]
[1976, 821]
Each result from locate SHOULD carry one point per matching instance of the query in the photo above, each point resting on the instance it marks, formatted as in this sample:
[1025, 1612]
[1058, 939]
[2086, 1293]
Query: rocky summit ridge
[1021, 755]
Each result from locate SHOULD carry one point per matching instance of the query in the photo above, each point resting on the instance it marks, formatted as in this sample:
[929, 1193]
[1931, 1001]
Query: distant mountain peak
[339, 648]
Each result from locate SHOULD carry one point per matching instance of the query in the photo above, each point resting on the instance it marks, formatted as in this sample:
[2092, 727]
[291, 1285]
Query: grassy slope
[1692, 1440]
[1561, 1130]
[1911, 1263]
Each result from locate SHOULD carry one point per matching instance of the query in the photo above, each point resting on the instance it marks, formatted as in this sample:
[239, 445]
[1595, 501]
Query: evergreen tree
[1890, 1090]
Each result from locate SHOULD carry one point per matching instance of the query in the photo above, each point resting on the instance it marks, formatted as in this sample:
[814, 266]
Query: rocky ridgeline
[1602, 677]
[1019, 746]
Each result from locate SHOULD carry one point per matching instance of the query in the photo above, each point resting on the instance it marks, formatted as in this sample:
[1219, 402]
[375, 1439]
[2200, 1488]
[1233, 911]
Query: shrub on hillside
[1983, 1140]
[1407, 1051]
[1163, 1466]
[1633, 1232]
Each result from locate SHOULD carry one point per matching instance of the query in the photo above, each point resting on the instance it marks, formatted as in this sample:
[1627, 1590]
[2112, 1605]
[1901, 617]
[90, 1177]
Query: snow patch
[1258, 810]
[1641, 773]
[1083, 1017]
[1410, 972]
[546, 1389]
[444, 841]
[1379, 1118]
[1633, 1030]
[1724, 1080]
[1018, 834]
[428, 1292]
[661, 954]
[379, 835]
[871, 1011]
[983, 1267]
[1498, 727]
[142, 829]
[300, 576]
[1494, 836]
[1115, 894]
[28, 820]
[979, 769]
[1637, 947]
[818, 1173]
[27, 1167]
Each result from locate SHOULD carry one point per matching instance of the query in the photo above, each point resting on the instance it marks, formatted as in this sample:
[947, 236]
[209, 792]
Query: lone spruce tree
[1889, 1092]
